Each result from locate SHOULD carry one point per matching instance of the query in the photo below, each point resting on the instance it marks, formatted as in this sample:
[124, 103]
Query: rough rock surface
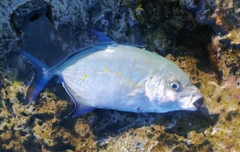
[201, 36]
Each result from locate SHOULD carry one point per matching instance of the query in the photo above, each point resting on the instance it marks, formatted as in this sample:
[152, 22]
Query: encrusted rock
[200, 36]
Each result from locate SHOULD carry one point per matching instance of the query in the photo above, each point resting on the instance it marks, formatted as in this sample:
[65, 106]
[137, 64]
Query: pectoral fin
[80, 107]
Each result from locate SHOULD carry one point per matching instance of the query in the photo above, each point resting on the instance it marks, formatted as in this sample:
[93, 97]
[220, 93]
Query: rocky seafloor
[200, 36]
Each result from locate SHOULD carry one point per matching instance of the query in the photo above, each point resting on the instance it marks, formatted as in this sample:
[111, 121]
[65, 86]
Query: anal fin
[80, 108]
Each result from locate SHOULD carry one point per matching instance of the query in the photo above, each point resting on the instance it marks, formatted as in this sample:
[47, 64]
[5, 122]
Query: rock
[201, 37]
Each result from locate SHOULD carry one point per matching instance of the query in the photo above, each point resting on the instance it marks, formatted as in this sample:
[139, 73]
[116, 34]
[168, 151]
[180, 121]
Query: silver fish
[120, 77]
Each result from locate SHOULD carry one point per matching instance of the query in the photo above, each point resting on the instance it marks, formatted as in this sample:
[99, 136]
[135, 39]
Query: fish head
[172, 90]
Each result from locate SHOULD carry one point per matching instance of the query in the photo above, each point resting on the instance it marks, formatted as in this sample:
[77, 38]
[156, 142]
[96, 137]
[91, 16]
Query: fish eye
[175, 85]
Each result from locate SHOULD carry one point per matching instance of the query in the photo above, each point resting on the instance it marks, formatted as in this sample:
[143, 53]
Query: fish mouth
[198, 103]
[192, 102]
[195, 99]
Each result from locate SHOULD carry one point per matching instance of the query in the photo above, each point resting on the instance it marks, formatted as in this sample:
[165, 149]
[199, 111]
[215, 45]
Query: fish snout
[199, 103]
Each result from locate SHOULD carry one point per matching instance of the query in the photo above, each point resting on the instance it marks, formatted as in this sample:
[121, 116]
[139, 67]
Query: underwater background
[201, 36]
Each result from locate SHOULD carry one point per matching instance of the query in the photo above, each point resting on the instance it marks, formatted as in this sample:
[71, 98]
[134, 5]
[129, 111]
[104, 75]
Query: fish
[119, 77]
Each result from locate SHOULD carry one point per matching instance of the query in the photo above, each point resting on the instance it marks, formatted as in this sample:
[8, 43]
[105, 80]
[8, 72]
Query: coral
[223, 17]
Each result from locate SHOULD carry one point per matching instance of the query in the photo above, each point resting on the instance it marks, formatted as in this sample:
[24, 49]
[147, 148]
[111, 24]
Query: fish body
[120, 77]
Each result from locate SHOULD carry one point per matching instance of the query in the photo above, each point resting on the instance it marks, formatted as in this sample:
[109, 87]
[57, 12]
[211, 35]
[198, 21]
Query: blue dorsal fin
[79, 108]
[103, 39]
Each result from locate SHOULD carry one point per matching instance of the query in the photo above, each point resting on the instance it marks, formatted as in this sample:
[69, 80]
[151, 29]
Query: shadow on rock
[114, 123]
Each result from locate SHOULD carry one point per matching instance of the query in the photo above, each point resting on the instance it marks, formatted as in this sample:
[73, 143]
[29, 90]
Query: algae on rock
[163, 26]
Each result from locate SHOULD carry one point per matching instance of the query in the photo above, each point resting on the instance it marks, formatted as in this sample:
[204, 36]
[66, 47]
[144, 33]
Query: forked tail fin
[42, 76]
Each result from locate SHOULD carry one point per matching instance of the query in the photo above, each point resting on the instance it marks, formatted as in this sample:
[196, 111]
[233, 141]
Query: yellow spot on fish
[106, 69]
[85, 76]
[117, 73]
[80, 79]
